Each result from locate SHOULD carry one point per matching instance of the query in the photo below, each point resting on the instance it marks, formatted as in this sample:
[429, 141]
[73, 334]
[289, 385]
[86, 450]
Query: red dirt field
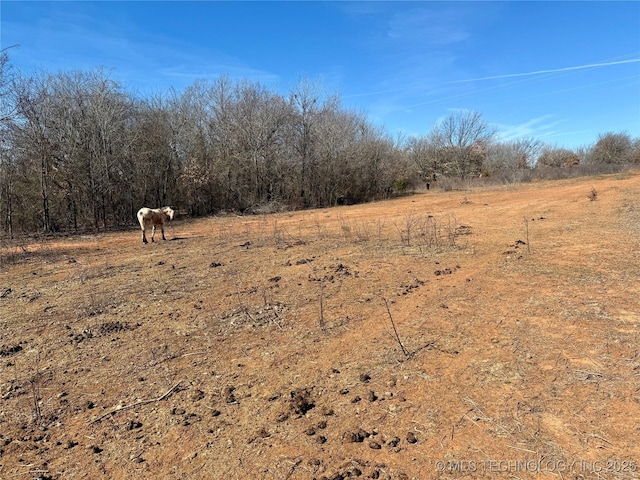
[262, 347]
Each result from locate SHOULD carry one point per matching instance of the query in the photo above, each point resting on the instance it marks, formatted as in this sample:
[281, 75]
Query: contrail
[538, 72]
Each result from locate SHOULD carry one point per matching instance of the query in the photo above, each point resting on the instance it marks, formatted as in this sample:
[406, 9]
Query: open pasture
[488, 333]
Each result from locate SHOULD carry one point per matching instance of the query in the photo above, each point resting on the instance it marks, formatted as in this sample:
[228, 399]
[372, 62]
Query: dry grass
[261, 347]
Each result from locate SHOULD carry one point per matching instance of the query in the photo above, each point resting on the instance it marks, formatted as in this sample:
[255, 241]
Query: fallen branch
[174, 356]
[30, 472]
[136, 404]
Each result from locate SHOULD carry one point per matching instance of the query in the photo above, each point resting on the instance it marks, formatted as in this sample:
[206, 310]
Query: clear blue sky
[562, 72]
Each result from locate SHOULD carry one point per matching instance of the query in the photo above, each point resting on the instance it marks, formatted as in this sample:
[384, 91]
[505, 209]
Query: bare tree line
[78, 152]
[463, 145]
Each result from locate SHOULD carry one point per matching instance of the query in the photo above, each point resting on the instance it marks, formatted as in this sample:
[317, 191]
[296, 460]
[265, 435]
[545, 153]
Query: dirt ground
[488, 333]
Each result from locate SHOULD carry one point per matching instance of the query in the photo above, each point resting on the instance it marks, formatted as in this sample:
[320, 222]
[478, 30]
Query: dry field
[264, 347]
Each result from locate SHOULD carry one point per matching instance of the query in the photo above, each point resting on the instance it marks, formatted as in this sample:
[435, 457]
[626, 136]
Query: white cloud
[539, 127]
[428, 27]
[556, 70]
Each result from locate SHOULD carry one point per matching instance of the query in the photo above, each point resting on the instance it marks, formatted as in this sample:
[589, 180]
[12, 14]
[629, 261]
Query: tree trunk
[46, 218]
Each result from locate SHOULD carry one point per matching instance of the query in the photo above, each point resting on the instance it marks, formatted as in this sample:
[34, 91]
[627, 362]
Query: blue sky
[561, 72]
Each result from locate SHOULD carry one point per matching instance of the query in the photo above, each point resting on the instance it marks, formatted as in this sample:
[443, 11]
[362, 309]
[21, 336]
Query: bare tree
[196, 180]
[557, 157]
[7, 75]
[7, 165]
[221, 130]
[428, 158]
[338, 148]
[377, 164]
[614, 148]
[512, 160]
[259, 119]
[33, 142]
[460, 141]
[308, 107]
[74, 130]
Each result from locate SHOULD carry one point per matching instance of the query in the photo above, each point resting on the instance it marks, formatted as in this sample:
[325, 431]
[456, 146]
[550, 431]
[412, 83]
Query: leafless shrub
[361, 233]
[320, 229]
[428, 232]
[449, 184]
[345, 229]
[379, 228]
[266, 208]
[36, 383]
[320, 280]
[278, 233]
[414, 232]
[407, 229]
[96, 303]
[583, 170]
[451, 231]
[242, 306]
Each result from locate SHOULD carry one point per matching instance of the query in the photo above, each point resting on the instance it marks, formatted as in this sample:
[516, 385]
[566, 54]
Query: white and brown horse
[154, 217]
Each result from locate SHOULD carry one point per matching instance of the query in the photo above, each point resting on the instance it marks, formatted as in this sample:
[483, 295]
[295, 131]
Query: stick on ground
[133, 405]
[393, 324]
